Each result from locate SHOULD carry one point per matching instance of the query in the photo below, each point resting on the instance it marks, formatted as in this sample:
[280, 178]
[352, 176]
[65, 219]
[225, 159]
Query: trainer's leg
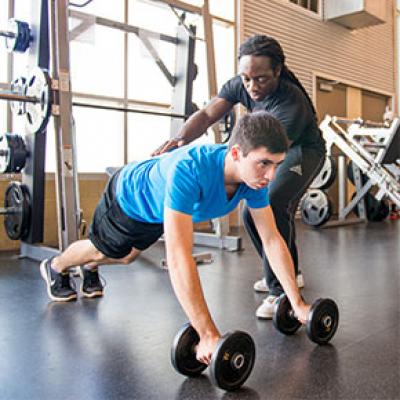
[292, 180]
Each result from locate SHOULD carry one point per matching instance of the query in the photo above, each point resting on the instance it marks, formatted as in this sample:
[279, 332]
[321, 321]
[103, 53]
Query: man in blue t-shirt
[167, 194]
[264, 82]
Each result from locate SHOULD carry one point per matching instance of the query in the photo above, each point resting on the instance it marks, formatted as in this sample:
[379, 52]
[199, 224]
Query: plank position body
[167, 194]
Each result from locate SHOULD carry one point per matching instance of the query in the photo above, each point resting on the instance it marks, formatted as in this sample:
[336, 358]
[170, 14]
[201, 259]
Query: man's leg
[82, 252]
[92, 283]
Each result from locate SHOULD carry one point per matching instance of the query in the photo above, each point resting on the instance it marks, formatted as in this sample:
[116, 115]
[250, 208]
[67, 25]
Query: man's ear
[235, 152]
[278, 71]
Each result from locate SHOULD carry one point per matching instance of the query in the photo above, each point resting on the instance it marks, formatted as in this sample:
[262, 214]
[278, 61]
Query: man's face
[258, 77]
[258, 168]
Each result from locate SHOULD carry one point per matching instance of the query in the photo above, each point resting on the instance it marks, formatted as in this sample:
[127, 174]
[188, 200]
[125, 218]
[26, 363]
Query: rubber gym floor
[118, 347]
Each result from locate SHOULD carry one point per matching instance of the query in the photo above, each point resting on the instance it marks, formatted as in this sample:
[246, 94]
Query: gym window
[312, 5]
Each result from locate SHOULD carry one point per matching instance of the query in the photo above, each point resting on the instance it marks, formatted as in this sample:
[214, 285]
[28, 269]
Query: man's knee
[98, 256]
[130, 257]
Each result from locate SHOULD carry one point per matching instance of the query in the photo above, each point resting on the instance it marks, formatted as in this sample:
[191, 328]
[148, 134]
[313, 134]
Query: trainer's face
[258, 168]
[258, 77]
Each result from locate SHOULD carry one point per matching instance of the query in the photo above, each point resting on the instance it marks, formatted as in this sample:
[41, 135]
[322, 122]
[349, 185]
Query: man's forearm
[186, 284]
[282, 265]
[195, 126]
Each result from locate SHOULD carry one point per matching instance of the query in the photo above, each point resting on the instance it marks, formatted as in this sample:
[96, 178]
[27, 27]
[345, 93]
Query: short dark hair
[259, 129]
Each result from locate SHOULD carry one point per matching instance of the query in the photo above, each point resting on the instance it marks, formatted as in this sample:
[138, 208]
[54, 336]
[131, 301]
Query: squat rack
[69, 214]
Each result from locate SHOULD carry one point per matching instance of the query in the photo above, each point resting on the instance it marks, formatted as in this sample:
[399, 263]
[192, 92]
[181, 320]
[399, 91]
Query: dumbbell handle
[8, 34]
[326, 320]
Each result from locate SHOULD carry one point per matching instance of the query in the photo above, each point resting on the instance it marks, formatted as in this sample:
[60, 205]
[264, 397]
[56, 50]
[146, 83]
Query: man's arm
[279, 258]
[178, 228]
[197, 124]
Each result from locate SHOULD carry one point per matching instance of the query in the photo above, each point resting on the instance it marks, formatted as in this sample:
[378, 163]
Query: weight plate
[183, 353]
[326, 176]
[4, 154]
[315, 208]
[18, 202]
[233, 360]
[13, 153]
[22, 36]
[37, 114]
[350, 174]
[283, 318]
[18, 86]
[376, 210]
[323, 321]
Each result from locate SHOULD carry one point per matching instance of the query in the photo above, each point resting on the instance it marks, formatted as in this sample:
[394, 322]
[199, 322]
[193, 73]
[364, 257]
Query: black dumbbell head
[283, 318]
[183, 353]
[233, 360]
[323, 321]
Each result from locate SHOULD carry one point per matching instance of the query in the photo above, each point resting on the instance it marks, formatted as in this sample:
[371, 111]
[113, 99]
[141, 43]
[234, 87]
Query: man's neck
[230, 171]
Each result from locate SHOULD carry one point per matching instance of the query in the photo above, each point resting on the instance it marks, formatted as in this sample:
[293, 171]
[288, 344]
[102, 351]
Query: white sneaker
[266, 309]
[300, 280]
[261, 285]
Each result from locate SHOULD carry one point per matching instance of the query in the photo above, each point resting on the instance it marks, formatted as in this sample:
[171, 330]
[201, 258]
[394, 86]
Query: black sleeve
[231, 90]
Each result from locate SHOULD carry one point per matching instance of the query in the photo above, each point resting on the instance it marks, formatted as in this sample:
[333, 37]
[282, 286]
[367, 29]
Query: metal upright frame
[50, 17]
[33, 174]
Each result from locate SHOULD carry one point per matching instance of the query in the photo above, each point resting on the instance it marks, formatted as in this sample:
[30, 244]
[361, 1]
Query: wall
[365, 57]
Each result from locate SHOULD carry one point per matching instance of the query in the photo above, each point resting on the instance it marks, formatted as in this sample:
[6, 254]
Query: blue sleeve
[257, 198]
[182, 188]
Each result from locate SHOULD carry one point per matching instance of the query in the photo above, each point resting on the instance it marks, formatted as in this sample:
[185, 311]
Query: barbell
[32, 96]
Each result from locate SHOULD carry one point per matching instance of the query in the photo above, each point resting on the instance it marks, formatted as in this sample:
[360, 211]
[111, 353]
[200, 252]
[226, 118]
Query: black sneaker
[91, 282]
[59, 286]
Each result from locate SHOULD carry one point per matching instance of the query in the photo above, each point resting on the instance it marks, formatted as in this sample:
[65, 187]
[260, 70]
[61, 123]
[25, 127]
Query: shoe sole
[45, 276]
[98, 293]
[263, 317]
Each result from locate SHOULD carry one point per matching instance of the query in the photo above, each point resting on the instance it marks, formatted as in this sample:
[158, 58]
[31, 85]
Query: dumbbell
[231, 362]
[322, 321]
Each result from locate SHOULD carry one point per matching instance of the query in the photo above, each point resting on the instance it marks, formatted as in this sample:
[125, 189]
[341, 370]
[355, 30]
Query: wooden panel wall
[365, 57]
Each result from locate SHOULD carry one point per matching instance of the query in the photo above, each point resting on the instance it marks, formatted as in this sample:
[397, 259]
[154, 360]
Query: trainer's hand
[206, 348]
[167, 146]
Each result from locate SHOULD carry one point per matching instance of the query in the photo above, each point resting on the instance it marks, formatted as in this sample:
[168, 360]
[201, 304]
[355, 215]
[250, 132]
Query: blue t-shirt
[189, 179]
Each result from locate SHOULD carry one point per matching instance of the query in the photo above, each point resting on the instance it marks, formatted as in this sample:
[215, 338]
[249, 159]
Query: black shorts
[114, 233]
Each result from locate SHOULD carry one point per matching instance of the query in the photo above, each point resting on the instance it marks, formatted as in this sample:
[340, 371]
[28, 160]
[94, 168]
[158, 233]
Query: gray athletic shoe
[59, 285]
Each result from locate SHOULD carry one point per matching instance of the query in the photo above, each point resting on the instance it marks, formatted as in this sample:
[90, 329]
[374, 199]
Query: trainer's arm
[178, 230]
[279, 258]
[197, 124]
